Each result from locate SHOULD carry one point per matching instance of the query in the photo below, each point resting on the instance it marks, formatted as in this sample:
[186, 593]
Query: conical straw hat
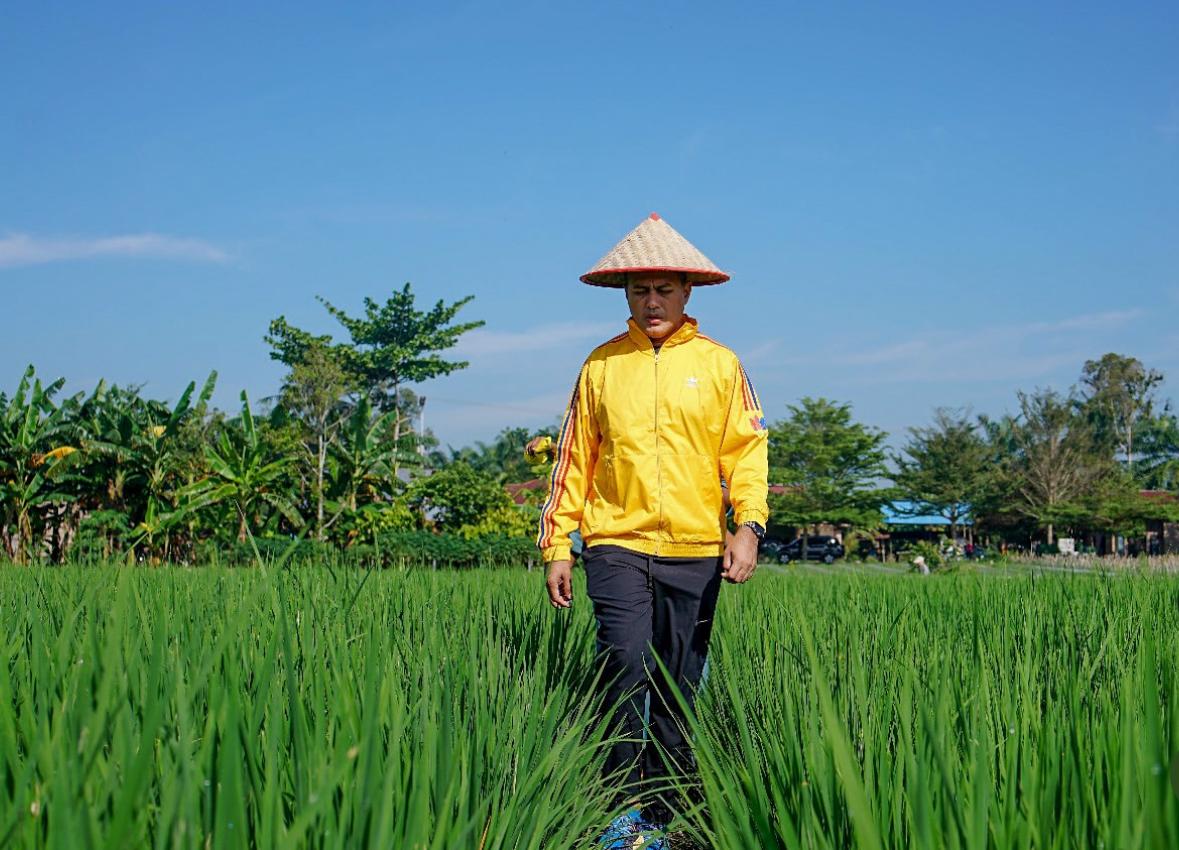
[653, 246]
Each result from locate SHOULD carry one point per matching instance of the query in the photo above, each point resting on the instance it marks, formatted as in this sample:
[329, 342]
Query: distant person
[658, 416]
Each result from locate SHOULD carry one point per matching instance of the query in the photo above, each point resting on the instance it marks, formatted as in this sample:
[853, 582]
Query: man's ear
[687, 291]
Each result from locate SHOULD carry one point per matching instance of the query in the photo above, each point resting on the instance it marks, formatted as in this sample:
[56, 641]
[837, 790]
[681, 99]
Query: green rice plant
[332, 706]
[206, 707]
[961, 711]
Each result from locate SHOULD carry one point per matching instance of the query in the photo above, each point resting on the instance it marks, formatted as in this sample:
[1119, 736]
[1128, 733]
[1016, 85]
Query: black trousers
[646, 604]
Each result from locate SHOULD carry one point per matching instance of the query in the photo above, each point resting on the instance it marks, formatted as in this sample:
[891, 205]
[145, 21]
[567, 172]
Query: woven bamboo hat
[653, 246]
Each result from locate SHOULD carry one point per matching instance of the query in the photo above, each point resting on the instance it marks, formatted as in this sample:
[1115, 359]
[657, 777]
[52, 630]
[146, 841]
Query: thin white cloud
[546, 405]
[761, 353]
[1021, 351]
[20, 249]
[1091, 321]
[482, 343]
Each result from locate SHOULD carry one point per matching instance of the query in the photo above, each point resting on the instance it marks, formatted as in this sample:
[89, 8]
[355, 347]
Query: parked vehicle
[770, 548]
[819, 547]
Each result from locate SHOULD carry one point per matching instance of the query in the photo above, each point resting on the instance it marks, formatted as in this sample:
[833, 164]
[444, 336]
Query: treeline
[1076, 462]
[335, 461]
[335, 464]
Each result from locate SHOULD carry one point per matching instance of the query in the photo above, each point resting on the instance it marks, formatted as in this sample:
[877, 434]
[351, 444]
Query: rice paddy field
[340, 708]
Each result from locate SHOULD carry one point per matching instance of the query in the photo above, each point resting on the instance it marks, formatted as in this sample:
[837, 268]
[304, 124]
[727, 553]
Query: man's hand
[560, 583]
[740, 556]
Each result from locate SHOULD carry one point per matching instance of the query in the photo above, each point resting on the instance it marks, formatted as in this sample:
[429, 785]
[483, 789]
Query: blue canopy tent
[904, 526]
[903, 513]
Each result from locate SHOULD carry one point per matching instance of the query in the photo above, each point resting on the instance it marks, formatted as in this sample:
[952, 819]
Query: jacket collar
[685, 332]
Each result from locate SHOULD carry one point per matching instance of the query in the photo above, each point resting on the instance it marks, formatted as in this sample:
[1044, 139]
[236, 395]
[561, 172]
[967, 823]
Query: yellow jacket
[644, 445]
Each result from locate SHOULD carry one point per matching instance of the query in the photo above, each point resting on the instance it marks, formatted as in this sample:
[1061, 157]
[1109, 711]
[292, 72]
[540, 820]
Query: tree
[830, 465]
[141, 454]
[413, 447]
[1119, 397]
[392, 344]
[244, 476]
[364, 460]
[1158, 452]
[995, 508]
[1116, 505]
[943, 468]
[504, 457]
[312, 391]
[30, 425]
[1056, 461]
[457, 496]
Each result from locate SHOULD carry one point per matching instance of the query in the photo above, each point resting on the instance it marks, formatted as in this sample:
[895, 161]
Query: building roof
[902, 513]
[518, 492]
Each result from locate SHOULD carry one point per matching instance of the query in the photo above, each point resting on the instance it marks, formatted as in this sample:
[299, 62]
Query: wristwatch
[757, 528]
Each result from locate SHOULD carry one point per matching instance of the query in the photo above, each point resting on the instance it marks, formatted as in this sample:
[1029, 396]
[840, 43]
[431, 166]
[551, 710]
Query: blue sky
[919, 205]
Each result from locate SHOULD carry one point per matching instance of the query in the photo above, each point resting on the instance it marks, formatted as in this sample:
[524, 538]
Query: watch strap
[757, 528]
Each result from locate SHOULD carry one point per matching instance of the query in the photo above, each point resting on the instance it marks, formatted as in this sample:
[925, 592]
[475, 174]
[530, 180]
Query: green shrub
[931, 552]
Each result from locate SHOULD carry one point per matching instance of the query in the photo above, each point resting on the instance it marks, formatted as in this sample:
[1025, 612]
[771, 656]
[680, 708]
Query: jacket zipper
[658, 461]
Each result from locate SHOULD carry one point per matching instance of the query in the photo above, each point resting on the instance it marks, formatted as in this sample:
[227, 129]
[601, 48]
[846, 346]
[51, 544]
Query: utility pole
[421, 425]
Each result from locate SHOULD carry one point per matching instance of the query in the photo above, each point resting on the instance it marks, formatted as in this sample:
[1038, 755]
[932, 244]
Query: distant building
[1162, 535]
[904, 525]
[519, 492]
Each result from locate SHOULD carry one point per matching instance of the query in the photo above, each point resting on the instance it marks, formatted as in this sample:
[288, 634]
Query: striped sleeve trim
[752, 402]
[564, 455]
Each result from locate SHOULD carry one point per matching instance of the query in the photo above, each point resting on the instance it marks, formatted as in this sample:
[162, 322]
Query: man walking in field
[659, 416]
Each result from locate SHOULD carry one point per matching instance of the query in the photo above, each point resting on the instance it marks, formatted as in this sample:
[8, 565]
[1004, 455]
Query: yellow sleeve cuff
[752, 515]
[556, 553]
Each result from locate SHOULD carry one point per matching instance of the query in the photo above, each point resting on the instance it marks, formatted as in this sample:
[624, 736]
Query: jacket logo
[692, 381]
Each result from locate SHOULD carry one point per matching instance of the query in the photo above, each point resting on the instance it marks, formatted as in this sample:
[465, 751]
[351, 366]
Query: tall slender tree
[313, 390]
[1057, 459]
[830, 464]
[1119, 396]
[943, 468]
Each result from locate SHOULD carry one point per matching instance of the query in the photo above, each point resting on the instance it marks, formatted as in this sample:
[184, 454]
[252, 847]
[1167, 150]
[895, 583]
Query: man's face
[657, 301]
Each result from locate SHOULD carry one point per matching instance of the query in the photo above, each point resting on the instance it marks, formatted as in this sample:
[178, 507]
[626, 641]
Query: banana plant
[31, 460]
[363, 460]
[243, 474]
[141, 455]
